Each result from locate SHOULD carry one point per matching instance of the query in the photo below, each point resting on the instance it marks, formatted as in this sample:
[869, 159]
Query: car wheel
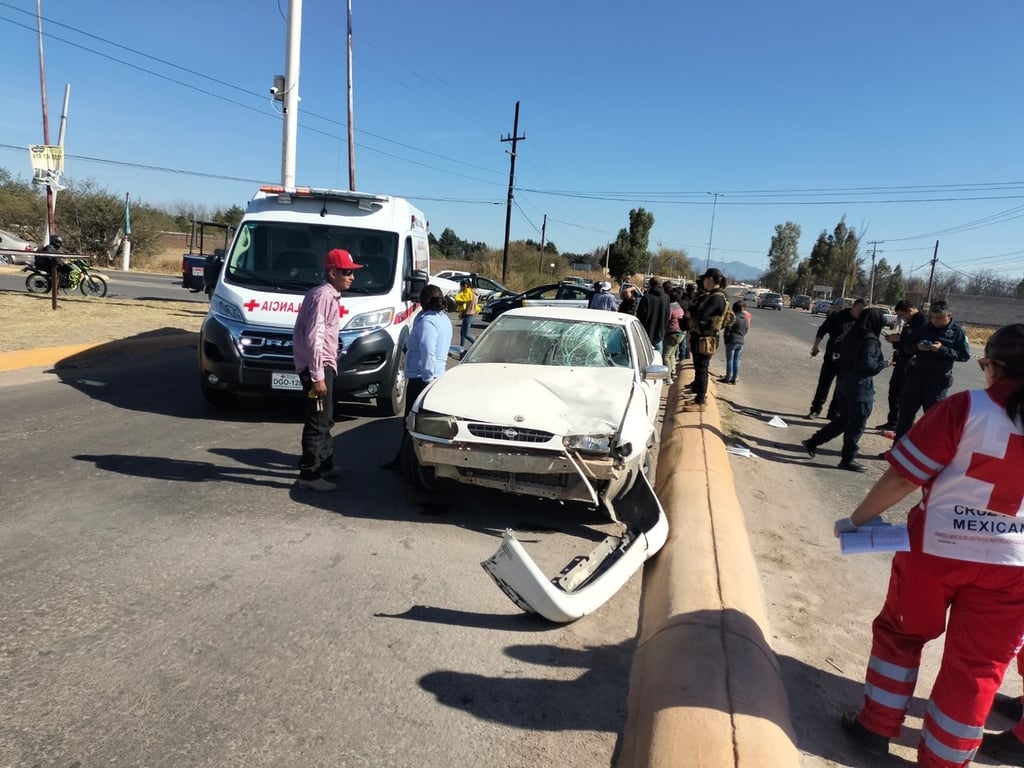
[394, 403]
[413, 471]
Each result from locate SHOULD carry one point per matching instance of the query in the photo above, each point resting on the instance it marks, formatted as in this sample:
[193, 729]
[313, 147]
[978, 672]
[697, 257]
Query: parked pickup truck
[200, 267]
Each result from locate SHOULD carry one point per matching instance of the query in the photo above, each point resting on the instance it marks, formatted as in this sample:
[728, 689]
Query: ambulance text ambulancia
[245, 345]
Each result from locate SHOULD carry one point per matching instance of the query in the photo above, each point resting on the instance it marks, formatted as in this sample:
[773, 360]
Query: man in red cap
[315, 348]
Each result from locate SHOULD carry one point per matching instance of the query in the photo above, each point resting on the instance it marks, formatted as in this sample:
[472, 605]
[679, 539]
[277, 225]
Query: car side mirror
[415, 284]
[655, 373]
[455, 352]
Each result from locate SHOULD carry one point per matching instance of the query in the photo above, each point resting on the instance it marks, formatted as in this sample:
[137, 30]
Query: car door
[644, 356]
[544, 296]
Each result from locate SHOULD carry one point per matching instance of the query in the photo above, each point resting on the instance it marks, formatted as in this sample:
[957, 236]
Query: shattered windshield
[541, 341]
[289, 256]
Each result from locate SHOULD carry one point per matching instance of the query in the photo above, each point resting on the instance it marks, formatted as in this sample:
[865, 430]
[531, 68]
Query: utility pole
[290, 97]
[707, 263]
[871, 291]
[50, 224]
[514, 138]
[543, 232]
[931, 275]
[351, 116]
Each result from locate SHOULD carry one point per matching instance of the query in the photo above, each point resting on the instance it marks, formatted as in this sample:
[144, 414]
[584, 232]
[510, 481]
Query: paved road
[132, 285]
[168, 598]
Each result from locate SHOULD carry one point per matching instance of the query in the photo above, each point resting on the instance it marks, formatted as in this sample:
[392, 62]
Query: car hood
[564, 401]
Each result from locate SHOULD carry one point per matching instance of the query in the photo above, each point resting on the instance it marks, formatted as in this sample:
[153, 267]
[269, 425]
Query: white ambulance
[245, 345]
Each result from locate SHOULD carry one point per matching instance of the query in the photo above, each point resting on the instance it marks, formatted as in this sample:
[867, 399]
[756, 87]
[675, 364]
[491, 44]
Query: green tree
[782, 256]
[834, 259]
[894, 289]
[629, 253]
[878, 280]
[669, 262]
[449, 244]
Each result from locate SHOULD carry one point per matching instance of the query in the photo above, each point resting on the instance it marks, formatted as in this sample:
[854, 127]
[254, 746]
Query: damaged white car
[560, 403]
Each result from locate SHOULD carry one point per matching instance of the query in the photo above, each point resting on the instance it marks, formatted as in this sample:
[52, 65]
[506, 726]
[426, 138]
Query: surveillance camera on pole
[277, 89]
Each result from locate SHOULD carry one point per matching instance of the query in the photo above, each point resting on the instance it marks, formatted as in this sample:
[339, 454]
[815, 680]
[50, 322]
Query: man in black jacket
[652, 312]
[904, 349]
[837, 323]
[938, 344]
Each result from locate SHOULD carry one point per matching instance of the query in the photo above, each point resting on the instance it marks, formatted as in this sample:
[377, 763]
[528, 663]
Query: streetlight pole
[714, 202]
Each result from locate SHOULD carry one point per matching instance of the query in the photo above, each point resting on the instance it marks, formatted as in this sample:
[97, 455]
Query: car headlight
[226, 309]
[371, 321]
[588, 443]
[435, 425]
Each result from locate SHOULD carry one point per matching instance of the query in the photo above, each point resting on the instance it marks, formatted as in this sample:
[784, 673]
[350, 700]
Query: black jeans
[896, 383]
[317, 443]
[829, 371]
[701, 365]
[922, 389]
[852, 408]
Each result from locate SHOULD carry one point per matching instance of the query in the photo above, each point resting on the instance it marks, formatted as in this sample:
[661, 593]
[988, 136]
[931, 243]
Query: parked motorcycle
[76, 275]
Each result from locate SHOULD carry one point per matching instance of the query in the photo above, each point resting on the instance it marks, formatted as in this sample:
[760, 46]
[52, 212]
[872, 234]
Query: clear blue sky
[905, 116]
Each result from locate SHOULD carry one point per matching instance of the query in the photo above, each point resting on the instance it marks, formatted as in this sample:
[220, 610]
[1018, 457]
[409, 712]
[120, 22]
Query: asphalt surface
[169, 598]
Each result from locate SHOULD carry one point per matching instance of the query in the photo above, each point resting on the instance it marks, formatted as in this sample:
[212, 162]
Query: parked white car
[558, 403]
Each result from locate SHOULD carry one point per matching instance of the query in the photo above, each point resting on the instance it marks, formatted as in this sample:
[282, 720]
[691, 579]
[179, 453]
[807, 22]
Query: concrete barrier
[705, 687]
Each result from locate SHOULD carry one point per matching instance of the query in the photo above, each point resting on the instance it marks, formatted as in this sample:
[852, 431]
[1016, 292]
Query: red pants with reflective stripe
[986, 623]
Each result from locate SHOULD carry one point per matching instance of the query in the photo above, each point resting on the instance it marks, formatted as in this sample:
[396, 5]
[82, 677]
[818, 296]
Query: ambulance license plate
[285, 381]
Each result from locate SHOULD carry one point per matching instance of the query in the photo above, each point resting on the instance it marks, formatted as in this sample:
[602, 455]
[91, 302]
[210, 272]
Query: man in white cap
[604, 299]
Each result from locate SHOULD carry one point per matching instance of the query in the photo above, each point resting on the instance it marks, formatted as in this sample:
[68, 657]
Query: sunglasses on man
[345, 272]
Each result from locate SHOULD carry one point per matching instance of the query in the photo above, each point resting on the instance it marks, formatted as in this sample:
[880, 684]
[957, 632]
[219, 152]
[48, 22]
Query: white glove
[843, 525]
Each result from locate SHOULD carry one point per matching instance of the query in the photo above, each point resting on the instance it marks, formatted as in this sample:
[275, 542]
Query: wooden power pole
[514, 138]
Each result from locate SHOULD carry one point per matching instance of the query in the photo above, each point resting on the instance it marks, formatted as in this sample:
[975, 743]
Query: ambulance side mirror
[415, 284]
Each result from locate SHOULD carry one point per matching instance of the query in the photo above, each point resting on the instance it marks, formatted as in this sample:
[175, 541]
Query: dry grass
[977, 335]
[31, 322]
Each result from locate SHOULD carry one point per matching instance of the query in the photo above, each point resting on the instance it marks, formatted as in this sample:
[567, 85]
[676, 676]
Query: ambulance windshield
[288, 257]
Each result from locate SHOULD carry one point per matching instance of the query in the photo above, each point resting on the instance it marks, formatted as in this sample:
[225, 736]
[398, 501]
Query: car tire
[414, 472]
[394, 403]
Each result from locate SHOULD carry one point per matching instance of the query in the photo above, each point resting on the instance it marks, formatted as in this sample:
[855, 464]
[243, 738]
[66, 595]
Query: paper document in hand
[880, 538]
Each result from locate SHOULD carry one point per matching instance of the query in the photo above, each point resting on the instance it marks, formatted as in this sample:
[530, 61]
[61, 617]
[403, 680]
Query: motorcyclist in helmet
[45, 263]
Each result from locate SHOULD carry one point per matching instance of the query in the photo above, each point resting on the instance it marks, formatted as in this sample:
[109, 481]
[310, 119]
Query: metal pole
[543, 232]
[931, 275]
[351, 116]
[871, 288]
[707, 262]
[290, 103]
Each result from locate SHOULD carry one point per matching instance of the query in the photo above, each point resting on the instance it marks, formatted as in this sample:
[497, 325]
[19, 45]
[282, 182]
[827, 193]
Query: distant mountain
[737, 271]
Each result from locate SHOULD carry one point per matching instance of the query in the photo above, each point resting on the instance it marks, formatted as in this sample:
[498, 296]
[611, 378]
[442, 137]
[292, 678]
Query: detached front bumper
[588, 581]
[547, 474]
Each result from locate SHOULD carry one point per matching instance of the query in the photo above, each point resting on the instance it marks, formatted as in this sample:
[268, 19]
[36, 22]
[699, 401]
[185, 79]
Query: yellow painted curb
[80, 354]
[705, 687]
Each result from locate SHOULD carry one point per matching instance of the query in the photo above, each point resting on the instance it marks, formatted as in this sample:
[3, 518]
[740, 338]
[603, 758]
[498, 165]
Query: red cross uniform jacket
[969, 458]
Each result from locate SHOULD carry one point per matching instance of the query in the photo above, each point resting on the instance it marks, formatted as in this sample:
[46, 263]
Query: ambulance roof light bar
[285, 195]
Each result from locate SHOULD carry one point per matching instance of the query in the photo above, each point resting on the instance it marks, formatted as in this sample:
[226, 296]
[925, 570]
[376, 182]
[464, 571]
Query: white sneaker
[319, 484]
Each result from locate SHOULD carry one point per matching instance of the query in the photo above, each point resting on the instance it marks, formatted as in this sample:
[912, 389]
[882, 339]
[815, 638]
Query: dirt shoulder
[31, 322]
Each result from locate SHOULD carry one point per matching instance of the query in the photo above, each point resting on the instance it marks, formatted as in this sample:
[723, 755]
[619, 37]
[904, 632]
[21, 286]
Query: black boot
[867, 740]
[1004, 747]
